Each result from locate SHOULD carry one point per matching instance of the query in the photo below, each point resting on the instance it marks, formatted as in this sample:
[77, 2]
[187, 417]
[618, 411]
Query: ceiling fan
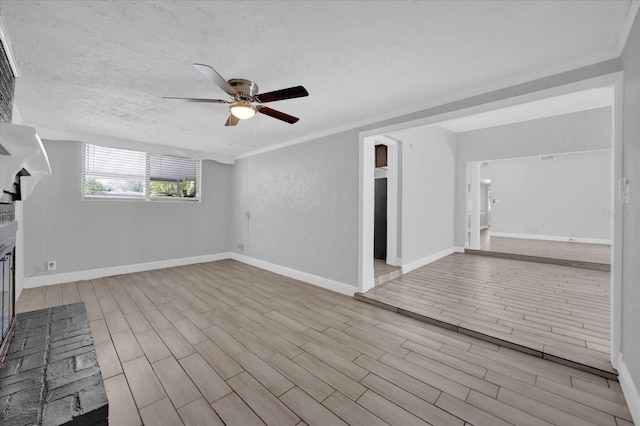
[244, 93]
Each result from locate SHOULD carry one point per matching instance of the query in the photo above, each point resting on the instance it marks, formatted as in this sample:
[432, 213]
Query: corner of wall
[408, 267]
[316, 280]
[630, 390]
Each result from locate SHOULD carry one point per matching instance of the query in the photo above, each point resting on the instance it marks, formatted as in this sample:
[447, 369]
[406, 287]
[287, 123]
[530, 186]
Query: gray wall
[304, 218]
[631, 227]
[428, 177]
[564, 197]
[579, 131]
[325, 243]
[303, 201]
[88, 234]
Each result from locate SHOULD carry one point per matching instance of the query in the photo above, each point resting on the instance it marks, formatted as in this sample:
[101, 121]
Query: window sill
[141, 200]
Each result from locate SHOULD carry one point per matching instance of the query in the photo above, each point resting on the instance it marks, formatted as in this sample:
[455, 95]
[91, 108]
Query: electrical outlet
[248, 214]
[241, 246]
[51, 265]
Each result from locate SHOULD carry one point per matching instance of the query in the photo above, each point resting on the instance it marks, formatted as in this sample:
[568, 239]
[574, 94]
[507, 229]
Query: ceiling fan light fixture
[242, 110]
[243, 94]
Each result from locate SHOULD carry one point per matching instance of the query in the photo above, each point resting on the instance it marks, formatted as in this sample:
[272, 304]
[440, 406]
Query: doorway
[485, 204]
[548, 208]
[381, 246]
[470, 107]
[380, 220]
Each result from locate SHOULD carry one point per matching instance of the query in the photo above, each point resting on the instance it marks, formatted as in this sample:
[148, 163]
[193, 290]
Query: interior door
[380, 220]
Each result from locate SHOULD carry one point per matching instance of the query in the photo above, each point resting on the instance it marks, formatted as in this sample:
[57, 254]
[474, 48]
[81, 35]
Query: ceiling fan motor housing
[244, 87]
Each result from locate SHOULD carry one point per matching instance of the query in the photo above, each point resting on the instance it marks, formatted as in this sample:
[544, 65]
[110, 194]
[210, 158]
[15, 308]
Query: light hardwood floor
[380, 267]
[383, 272]
[558, 312]
[599, 255]
[226, 343]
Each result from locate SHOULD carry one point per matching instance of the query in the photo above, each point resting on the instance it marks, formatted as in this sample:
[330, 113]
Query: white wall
[579, 131]
[84, 235]
[427, 191]
[630, 337]
[303, 201]
[566, 197]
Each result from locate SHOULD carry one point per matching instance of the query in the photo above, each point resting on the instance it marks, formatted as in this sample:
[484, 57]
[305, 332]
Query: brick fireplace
[51, 375]
[8, 229]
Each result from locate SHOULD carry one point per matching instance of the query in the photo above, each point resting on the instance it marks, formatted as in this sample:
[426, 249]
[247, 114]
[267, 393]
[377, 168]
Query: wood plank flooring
[384, 272]
[226, 343]
[581, 255]
[558, 312]
[597, 253]
[381, 268]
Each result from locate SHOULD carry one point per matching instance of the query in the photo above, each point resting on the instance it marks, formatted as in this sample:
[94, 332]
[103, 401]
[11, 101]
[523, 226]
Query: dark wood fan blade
[213, 75]
[279, 95]
[232, 120]
[209, 101]
[277, 114]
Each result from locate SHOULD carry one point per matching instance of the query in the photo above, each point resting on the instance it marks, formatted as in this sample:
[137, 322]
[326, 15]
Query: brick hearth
[51, 374]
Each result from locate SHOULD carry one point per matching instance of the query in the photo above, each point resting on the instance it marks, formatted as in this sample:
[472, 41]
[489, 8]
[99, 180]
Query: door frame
[366, 171]
[617, 220]
[392, 198]
[367, 201]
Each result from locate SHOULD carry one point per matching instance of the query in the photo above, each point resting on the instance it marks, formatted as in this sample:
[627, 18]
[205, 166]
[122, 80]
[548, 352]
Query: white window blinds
[113, 172]
[173, 176]
[123, 173]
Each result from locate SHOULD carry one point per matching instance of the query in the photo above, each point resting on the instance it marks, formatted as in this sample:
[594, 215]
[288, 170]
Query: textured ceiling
[100, 67]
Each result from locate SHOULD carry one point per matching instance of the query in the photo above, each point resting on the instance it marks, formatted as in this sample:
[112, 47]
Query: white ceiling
[92, 68]
[574, 102]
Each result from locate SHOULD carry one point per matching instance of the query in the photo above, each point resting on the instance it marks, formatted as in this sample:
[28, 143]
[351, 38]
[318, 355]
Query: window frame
[147, 180]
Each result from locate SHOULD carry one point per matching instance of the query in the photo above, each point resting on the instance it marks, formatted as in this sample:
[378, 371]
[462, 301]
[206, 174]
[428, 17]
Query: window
[123, 173]
[172, 176]
[114, 172]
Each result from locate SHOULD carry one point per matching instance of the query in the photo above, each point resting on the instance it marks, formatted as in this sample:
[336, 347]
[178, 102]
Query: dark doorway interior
[380, 220]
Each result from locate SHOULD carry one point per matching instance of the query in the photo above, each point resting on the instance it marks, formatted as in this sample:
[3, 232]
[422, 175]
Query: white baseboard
[630, 390]
[92, 274]
[551, 238]
[426, 260]
[336, 286]
[458, 249]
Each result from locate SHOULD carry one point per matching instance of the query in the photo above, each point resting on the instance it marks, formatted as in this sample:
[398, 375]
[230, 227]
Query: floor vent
[547, 157]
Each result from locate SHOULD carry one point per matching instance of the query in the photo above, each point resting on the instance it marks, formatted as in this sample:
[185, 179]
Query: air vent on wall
[547, 157]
